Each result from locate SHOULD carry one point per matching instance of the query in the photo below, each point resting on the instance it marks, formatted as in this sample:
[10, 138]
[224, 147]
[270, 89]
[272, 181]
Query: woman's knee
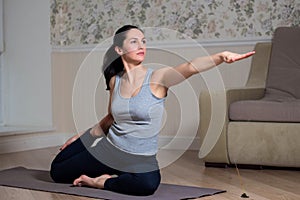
[140, 184]
[149, 184]
[55, 175]
[148, 188]
[58, 175]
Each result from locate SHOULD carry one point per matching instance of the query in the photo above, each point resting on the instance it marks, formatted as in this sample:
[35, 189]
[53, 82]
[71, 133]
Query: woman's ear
[119, 50]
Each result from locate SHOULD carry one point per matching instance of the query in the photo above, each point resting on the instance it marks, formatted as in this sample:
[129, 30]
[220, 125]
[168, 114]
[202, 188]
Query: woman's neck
[133, 72]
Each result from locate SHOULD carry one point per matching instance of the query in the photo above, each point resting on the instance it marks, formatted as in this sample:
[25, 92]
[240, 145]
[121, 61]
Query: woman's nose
[141, 45]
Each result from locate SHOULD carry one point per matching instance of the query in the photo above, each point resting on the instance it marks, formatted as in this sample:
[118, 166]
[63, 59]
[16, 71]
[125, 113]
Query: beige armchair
[262, 125]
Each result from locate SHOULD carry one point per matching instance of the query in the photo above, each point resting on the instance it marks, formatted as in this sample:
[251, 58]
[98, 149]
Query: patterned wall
[77, 22]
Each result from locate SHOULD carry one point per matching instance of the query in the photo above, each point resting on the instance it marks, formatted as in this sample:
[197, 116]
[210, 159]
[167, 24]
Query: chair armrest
[238, 94]
[219, 153]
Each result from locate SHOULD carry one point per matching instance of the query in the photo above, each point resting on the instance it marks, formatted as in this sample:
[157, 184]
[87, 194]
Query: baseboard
[179, 143]
[249, 166]
[24, 142]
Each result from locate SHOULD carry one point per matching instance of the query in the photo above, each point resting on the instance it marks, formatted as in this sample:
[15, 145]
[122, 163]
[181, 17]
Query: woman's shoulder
[158, 74]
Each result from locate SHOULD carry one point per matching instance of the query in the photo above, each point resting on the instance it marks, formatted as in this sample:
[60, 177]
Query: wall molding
[165, 44]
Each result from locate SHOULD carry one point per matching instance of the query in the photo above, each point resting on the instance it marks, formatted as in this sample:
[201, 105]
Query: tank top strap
[146, 80]
[148, 76]
[117, 83]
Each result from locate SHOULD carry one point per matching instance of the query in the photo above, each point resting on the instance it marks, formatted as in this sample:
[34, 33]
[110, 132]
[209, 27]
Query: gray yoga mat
[20, 177]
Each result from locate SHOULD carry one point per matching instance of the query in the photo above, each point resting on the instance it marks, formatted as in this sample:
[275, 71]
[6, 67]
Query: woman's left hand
[230, 57]
[69, 141]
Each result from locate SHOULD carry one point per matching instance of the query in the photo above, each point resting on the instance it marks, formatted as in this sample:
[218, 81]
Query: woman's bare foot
[97, 182]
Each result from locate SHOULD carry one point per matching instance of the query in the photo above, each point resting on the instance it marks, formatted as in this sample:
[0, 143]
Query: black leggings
[141, 177]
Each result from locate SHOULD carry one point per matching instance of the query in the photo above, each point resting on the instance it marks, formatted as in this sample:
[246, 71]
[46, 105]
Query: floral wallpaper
[77, 22]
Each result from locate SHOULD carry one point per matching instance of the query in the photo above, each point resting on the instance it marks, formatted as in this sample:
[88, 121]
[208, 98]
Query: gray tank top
[137, 120]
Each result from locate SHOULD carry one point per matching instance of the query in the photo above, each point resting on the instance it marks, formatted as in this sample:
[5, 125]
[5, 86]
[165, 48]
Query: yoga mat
[21, 177]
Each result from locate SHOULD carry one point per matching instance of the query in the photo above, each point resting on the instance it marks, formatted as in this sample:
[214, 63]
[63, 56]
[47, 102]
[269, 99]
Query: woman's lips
[141, 53]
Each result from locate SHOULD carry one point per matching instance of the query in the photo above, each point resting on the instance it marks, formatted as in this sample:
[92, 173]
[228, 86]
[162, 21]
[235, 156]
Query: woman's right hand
[69, 141]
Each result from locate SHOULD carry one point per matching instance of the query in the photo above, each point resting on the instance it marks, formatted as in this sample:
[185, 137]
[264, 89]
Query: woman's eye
[144, 41]
[133, 42]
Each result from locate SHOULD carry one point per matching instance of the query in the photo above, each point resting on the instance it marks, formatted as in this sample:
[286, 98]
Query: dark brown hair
[112, 62]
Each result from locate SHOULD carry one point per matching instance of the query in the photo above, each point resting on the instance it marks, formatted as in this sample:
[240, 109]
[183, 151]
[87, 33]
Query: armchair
[262, 125]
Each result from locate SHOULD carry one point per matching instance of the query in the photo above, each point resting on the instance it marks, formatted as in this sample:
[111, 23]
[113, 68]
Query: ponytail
[112, 62]
[112, 65]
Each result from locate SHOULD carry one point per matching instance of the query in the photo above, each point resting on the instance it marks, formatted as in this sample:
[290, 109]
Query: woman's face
[134, 46]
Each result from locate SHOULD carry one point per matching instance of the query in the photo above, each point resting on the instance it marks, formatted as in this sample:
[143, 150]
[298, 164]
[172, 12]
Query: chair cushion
[266, 110]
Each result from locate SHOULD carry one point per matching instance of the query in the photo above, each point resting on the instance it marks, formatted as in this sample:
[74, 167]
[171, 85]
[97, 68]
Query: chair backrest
[259, 65]
[283, 79]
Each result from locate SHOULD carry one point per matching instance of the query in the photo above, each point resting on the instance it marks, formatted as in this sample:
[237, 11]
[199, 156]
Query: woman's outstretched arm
[170, 76]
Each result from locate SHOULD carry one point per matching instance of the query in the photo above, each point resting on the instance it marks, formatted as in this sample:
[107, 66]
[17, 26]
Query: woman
[130, 129]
